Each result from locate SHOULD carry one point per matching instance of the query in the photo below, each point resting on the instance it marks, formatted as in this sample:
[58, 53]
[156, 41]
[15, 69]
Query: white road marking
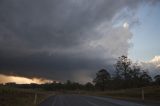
[93, 104]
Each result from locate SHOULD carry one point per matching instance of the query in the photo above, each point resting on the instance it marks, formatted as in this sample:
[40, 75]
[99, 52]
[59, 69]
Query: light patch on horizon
[152, 66]
[156, 60]
[22, 80]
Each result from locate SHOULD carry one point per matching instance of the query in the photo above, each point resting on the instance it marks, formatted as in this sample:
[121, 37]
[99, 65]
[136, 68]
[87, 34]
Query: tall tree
[123, 67]
[102, 79]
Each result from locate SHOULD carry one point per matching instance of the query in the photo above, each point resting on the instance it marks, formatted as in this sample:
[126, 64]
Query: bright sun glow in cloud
[22, 80]
[125, 25]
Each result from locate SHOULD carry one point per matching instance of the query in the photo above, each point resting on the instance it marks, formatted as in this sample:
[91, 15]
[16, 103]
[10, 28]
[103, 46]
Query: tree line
[127, 75]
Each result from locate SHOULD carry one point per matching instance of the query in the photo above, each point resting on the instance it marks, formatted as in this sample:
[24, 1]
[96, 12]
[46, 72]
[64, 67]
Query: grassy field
[20, 97]
[150, 93]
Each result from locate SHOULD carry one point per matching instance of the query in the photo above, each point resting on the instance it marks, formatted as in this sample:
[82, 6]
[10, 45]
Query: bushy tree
[145, 79]
[135, 74]
[102, 79]
[89, 86]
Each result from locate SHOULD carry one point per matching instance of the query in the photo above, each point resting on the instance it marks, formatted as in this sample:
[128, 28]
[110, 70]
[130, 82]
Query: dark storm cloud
[56, 38]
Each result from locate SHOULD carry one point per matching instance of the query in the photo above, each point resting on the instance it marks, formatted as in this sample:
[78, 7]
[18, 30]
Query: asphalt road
[75, 100]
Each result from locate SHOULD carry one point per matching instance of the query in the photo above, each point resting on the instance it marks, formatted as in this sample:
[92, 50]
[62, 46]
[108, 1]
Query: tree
[68, 85]
[89, 86]
[145, 79]
[135, 75]
[157, 79]
[135, 71]
[102, 79]
[123, 71]
[123, 67]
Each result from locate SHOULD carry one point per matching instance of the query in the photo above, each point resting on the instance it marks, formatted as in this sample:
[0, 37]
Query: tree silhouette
[157, 79]
[123, 67]
[102, 79]
[89, 86]
[123, 70]
[145, 79]
[135, 74]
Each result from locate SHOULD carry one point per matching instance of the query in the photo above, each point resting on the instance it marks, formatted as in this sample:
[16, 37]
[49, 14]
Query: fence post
[35, 98]
[142, 93]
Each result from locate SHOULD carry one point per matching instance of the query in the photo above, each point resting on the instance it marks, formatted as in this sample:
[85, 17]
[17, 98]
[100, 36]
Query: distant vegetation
[127, 75]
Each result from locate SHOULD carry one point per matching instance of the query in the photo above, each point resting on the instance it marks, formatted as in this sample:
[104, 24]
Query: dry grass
[20, 97]
[150, 93]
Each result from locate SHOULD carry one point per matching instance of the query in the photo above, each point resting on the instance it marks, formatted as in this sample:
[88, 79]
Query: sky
[146, 34]
[73, 39]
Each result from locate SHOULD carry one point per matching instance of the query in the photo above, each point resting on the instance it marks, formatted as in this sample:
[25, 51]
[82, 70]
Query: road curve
[75, 100]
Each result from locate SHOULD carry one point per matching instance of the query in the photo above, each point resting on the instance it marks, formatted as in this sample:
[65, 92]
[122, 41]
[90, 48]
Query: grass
[150, 93]
[23, 97]
[20, 97]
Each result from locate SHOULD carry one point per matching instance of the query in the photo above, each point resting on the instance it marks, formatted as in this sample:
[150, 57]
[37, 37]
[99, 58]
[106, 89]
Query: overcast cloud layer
[63, 39]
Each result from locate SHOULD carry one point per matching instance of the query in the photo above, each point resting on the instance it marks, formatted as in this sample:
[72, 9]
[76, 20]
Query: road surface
[75, 100]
